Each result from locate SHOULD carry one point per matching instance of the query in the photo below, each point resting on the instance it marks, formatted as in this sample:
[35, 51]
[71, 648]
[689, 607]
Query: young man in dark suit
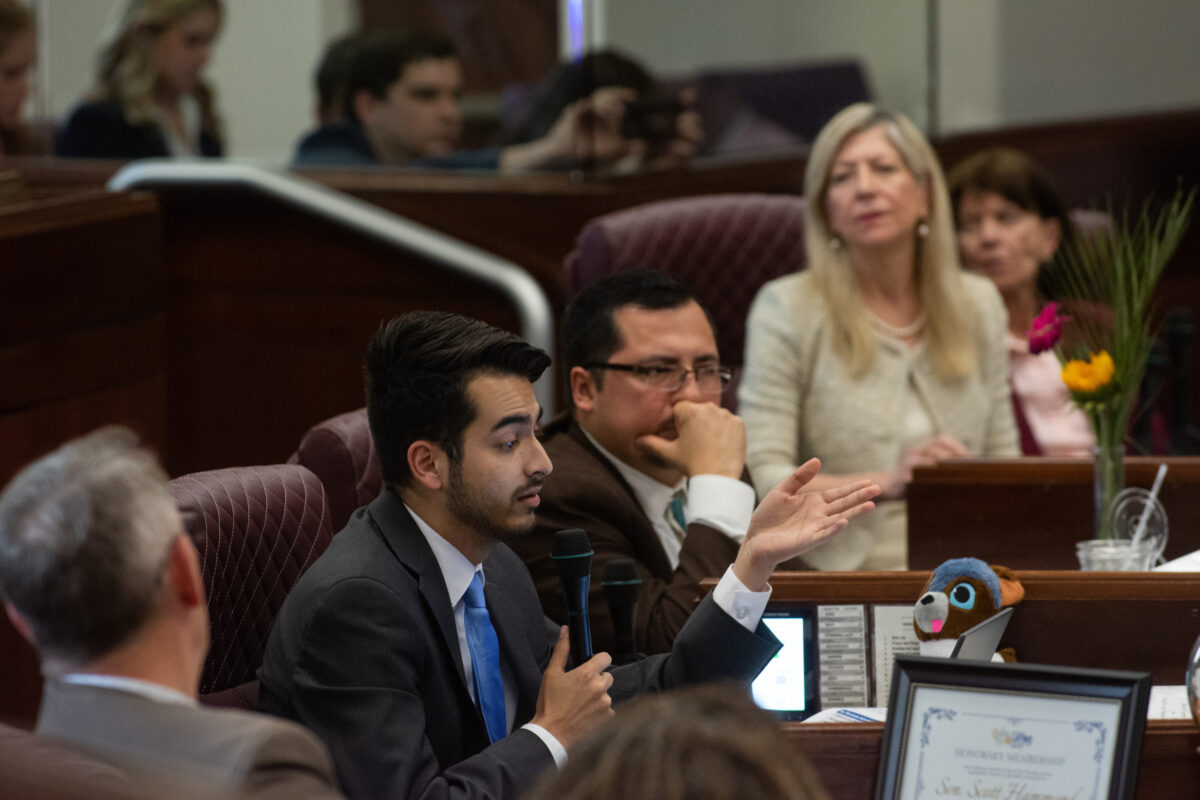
[416, 646]
[645, 427]
[98, 573]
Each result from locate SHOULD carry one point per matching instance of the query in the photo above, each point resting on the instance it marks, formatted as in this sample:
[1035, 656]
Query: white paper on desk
[893, 635]
[1188, 563]
[1168, 702]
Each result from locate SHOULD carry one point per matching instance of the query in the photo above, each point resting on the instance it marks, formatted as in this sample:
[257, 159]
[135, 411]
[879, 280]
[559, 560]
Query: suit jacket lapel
[649, 549]
[407, 542]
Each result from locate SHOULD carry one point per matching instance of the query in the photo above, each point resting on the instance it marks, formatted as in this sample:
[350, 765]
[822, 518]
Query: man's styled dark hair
[589, 333]
[381, 57]
[417, 368]
[84, 536]
[332, 75]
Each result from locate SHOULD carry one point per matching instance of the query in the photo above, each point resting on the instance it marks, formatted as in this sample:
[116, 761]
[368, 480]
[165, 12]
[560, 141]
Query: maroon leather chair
[723, 247]
[341, 452]
[257, 529]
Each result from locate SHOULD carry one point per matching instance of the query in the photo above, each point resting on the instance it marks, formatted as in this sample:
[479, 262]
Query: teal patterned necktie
[675, 515]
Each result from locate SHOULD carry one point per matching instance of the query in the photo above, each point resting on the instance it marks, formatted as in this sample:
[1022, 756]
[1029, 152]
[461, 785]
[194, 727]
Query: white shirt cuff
[722, 503]
[737, 601]
[553, 745]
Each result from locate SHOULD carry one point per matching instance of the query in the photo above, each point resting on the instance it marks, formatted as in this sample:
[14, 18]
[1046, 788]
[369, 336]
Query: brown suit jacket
[586, 491]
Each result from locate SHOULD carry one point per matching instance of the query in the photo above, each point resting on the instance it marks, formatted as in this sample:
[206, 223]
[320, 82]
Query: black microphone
[621, 586]
[572, 556]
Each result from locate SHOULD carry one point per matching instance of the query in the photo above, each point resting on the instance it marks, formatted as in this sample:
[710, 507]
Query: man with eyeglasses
[646, 461]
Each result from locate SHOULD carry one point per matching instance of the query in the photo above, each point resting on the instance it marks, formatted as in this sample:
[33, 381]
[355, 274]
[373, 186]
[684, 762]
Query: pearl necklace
[897, 332]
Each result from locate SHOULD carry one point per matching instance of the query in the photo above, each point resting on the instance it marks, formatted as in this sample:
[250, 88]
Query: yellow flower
[1085, 377]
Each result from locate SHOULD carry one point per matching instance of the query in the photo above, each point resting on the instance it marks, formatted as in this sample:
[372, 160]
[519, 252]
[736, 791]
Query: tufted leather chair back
[257, 530]
[723, 247]
[341, 452]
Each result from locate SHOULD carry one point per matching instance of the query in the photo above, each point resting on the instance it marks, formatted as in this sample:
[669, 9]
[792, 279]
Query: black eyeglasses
[671, 377]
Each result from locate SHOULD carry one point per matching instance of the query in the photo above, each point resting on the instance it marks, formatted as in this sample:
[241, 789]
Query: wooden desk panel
[83, 331]
[846, 757]
[1144, 621]
[1028, 513]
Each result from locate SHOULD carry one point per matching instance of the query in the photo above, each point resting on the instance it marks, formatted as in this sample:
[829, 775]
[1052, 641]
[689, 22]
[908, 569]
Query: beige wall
[1003, 62]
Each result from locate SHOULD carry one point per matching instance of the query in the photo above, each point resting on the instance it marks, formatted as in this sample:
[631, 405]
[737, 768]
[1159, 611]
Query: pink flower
[1046, 329]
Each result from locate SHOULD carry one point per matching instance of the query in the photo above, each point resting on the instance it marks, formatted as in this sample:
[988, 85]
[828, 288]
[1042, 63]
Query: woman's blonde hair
[935, 261]
[127, 72]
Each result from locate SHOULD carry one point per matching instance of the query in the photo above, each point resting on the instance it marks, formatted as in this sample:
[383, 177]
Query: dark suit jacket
[586, 491]
[172, 750]
[365, 652]
[98, 129]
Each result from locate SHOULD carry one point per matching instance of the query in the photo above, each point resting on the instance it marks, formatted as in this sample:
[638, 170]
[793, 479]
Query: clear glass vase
[1191, 679]
[1109, 480]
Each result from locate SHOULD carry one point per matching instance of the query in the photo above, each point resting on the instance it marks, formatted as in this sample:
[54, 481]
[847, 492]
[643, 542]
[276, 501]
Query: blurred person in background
[402, 106]
[17, 49]
[151, 99]
[883, 354]
[1011, 222]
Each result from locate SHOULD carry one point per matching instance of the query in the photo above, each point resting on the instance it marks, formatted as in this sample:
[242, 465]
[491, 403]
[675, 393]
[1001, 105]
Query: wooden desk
[1028, 513]
[846, 756]
[1129, 621]
[1143, 621]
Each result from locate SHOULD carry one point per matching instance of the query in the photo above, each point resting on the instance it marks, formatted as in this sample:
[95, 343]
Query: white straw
[1158, 482]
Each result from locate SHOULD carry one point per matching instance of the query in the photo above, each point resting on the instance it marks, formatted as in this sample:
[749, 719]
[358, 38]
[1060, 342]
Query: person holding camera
[402, 107]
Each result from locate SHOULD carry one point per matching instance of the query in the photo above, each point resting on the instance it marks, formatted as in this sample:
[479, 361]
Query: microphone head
[621, 570]
[621, 582]
[572, 553]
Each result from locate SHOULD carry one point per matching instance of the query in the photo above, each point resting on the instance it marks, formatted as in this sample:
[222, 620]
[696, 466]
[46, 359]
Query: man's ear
[20, 624]
[186, 577]
[583, 388]
[428, 464]
[364, 104]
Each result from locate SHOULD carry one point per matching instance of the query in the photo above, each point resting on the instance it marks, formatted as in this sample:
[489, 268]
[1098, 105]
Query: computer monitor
[788, 685]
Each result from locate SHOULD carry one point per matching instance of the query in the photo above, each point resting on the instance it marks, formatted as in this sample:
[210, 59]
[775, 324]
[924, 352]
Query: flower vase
[1109, 480]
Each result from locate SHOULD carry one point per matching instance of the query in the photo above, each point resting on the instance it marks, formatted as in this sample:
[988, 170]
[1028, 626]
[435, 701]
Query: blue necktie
[485, 660]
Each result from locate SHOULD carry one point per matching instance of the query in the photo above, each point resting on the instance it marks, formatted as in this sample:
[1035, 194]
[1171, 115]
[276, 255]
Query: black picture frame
[1130, 691]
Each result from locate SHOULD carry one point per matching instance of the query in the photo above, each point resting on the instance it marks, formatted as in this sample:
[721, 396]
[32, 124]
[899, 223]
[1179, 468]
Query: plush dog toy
[961, 593]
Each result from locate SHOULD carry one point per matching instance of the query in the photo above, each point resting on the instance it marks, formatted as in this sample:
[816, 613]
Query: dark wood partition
[533, 220]
[1028, 513]
[82, 334]
[269, 316]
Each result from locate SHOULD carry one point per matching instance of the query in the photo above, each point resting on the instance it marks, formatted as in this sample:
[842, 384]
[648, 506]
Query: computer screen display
[787, 686]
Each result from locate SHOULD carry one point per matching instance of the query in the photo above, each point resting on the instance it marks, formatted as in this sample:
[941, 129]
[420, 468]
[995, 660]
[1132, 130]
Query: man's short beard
[466, 507]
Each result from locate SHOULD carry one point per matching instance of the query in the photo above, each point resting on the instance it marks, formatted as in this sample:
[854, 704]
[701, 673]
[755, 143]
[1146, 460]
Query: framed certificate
[1009, 731]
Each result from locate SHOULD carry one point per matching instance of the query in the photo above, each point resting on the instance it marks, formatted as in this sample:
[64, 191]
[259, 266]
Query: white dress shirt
[148, 689]
[716, 500]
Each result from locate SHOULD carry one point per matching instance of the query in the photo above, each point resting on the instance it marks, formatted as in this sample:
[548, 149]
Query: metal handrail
[533, 308]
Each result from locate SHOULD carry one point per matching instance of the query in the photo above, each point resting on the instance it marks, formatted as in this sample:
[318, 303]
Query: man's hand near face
[710, 440]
